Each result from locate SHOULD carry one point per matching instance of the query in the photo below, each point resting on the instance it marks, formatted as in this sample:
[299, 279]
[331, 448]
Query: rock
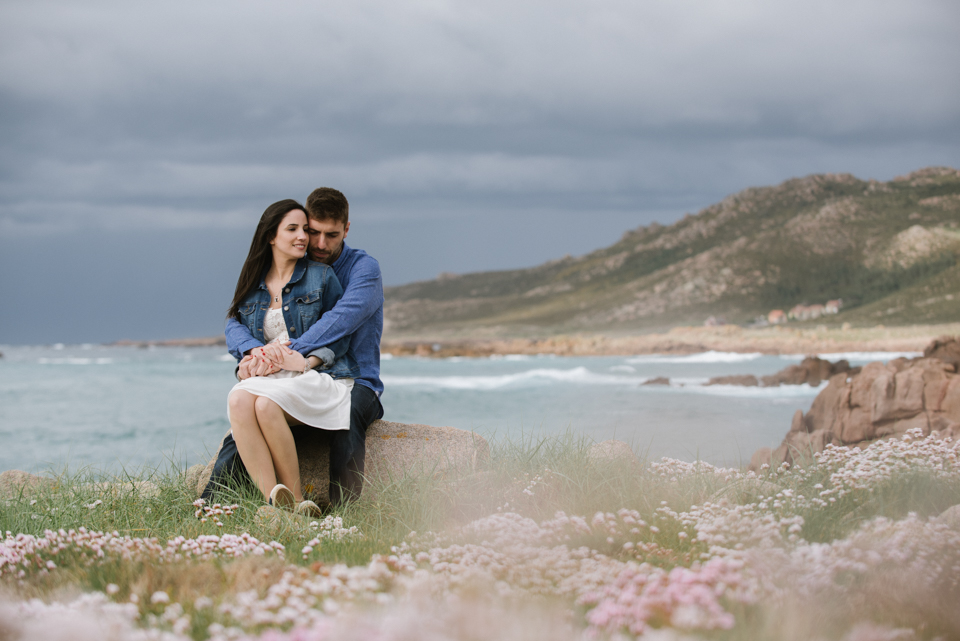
[14, 483]
[192, 476]
[878, 401]
[393, 451]
[812, 371]
[761, 457]
[660, 380]
[746, 380]
[275, 521]
[946, 349]
[951, 517]
[146, 489]
[612, 451]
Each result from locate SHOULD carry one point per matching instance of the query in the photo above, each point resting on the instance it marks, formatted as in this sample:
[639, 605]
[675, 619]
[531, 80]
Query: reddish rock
[812, 371]
[746, 380]
[761, 457]
[946, 349]
[878, 401]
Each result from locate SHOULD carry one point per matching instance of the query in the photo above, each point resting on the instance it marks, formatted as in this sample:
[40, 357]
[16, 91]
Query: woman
[279, 295]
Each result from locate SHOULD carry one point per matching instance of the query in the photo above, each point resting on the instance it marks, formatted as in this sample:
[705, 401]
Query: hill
[888, 249]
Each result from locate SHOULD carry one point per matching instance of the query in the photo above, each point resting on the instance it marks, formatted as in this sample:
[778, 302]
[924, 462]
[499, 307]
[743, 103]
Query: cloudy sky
[142, 141]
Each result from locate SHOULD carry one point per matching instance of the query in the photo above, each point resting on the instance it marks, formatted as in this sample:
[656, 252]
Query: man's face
[326, 239]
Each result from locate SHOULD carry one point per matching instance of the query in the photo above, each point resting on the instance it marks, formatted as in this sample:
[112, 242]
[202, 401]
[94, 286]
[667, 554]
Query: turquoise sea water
[113, 407]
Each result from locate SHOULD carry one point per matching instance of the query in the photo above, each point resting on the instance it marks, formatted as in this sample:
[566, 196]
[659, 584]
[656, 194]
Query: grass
[533, 479]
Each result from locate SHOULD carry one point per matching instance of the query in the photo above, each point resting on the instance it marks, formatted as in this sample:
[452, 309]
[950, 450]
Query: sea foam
[540, 376]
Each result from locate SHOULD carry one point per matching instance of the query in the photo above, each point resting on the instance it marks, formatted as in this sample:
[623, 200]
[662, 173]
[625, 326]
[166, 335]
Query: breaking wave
[583, 376]
[579, 375]
[75, 361]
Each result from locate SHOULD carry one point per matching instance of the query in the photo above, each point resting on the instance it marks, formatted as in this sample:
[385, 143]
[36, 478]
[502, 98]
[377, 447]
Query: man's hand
[244, 370]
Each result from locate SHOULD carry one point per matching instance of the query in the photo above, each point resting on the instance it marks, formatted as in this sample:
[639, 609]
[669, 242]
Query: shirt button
[293, 329]
[287, 290]
[286, 308]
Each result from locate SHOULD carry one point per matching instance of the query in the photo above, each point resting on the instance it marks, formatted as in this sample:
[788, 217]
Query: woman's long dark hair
[261, 255]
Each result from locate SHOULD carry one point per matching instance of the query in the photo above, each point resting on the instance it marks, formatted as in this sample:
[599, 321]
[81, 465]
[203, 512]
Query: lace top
[274, 327]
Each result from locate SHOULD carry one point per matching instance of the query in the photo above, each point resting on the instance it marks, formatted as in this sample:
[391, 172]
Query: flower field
[545, 543]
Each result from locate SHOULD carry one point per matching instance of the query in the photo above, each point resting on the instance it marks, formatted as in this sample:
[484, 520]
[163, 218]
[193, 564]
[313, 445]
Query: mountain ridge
[806, 240]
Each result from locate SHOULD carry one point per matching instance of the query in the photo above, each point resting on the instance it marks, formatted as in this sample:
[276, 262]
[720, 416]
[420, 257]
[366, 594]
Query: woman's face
[291, 238]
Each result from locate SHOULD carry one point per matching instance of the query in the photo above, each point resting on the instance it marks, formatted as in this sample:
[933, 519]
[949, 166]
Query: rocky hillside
[888, 249]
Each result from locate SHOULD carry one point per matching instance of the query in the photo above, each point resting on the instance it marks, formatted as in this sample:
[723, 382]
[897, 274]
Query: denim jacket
[312, 290]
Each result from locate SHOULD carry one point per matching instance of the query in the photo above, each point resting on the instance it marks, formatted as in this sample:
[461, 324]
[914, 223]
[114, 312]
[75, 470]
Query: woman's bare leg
[253, 448]
[276, 432]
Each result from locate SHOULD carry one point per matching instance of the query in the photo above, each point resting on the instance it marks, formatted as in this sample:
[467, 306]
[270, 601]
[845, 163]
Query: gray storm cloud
[204, 106]
[442, 120]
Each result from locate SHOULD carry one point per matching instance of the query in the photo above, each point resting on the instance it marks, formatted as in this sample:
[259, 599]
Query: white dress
[314, 399]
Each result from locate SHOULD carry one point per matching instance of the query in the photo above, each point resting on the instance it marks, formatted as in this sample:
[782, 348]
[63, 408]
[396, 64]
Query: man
[359, 313]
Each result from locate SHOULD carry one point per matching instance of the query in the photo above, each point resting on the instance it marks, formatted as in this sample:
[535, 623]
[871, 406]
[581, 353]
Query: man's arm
[239, 338]
[361, 299]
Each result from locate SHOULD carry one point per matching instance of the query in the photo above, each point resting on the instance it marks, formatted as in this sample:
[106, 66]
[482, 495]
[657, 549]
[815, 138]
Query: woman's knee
[241, 402]
[267, 409]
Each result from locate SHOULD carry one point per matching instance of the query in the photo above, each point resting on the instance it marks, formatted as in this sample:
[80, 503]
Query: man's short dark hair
[327, 203]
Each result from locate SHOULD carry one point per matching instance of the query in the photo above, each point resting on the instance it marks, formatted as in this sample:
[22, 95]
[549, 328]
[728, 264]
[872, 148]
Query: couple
[305, 325]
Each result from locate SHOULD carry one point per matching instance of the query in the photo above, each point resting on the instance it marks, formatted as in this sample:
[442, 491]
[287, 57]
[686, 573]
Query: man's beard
[330, 256]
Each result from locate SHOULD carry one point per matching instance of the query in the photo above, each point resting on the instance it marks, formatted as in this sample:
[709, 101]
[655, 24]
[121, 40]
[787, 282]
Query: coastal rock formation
[811, 371]
[880, 401]
[945, 348]
[746, 380]
[393, 450]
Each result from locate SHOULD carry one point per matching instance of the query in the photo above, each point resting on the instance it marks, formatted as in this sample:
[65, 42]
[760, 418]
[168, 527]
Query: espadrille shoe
[282, 497]
[309, 509]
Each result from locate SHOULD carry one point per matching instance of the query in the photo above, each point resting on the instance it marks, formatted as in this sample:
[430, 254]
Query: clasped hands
[269, 359]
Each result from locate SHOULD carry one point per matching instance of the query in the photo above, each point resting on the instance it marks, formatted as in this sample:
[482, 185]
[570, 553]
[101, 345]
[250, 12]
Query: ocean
[127, 408]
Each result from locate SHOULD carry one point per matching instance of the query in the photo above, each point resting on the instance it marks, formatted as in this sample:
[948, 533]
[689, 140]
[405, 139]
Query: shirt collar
[338, 263]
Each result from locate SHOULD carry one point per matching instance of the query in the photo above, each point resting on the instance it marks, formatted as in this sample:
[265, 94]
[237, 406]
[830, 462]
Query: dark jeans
[349, 449]
[347, 452]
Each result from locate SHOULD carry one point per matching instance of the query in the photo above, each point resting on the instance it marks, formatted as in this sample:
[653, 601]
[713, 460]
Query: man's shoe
[282, 497]
[309, 509]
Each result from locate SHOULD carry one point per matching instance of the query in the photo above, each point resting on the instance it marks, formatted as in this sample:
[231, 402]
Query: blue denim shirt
[312, 290]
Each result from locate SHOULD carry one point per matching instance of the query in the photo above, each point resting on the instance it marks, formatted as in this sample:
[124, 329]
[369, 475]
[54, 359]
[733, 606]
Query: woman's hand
[281, 356]
[255, 364]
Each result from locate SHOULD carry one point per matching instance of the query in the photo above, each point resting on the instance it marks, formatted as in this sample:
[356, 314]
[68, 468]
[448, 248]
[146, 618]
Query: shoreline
[777, 340]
